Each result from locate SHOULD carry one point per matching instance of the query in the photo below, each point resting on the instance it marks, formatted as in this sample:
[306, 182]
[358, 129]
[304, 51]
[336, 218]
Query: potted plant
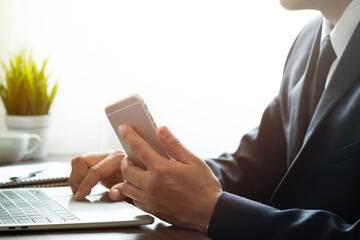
[27, 97]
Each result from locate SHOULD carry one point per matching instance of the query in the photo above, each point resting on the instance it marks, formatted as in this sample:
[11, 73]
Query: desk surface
[158, 230]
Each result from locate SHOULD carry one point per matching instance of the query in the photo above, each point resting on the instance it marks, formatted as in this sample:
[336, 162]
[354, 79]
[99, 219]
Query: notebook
[23, 209]
[49, 174]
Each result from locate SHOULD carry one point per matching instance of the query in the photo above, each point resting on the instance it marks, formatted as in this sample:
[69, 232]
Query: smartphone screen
[134, 112]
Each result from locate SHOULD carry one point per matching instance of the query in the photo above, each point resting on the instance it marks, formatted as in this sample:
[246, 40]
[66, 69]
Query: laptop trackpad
[98, 206]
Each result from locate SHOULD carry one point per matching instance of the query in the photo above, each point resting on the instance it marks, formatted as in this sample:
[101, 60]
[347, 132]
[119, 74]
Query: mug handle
[36, 146]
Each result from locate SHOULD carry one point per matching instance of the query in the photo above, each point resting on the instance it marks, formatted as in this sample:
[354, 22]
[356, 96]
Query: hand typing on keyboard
[88, 170]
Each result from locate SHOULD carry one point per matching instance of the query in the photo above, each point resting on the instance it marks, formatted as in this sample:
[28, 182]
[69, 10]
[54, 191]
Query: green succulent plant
[24, 89]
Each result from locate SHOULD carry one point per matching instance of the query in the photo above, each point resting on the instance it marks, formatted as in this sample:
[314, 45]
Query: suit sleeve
[259, 163]
[236, 217]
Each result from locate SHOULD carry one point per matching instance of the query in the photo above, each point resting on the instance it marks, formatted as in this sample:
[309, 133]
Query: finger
[111, 164]
[144, 152]
[80, 166]
[71, 184]
[173, 146]
[116, 192]
[111, 181]
[132, 173]
[151, 207]
[133, 192]
[74, 187]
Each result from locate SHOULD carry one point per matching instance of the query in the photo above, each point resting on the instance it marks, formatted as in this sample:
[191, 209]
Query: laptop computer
[55, 208]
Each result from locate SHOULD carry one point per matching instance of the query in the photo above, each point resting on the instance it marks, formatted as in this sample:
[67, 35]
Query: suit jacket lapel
[300, 97]
[346, 73]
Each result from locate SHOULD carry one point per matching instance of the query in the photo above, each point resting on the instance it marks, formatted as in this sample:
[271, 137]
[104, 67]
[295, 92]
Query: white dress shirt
[341, 33]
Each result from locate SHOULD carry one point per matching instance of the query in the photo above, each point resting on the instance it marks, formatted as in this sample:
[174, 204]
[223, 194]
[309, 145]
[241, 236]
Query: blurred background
[205, 68]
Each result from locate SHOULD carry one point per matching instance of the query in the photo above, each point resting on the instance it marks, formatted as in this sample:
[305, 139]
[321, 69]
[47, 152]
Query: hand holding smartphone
[134, 112]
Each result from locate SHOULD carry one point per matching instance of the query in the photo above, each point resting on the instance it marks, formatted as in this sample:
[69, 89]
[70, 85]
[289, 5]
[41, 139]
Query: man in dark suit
[296, 176]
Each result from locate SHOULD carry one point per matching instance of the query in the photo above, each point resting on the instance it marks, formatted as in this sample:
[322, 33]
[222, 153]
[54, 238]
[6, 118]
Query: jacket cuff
[235, 217]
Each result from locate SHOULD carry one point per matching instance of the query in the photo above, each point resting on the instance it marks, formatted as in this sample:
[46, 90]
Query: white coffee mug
[15, 146]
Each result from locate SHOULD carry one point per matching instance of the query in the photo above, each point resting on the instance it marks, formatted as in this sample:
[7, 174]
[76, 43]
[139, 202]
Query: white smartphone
[134, 112]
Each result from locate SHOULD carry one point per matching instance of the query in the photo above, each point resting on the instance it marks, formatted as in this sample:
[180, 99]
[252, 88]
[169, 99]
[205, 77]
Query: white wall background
[206, 68]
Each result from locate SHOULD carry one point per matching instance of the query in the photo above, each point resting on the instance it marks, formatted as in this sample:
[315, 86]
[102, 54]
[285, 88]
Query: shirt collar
[341, 33]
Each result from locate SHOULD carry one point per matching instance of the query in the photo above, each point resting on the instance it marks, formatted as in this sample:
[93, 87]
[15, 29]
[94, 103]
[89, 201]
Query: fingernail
[165, 132]
[76, 194]
[121, 129]
[116, 192]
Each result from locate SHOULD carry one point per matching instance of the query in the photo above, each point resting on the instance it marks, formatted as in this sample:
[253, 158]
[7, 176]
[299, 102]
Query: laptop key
[22, 221]
[40, 220]
[55, 219]
[8, 220]
[71, 220]
[20, 217]
[36, 216]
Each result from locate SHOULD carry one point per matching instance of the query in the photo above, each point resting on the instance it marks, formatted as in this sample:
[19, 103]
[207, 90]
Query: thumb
[116, 193]
[173, 146]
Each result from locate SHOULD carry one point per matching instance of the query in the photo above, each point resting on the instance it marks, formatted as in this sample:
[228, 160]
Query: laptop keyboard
[31, 206]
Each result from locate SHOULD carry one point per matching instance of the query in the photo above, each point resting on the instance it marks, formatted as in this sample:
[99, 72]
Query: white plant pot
[38, 124]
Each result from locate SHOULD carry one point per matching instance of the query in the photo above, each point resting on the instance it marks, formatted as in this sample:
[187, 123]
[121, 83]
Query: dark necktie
[326, 58]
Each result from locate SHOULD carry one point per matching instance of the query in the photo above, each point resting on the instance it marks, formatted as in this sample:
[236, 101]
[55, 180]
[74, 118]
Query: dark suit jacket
[292, 178]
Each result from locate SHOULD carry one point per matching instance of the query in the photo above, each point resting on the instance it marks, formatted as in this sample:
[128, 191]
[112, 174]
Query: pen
[20, 177]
